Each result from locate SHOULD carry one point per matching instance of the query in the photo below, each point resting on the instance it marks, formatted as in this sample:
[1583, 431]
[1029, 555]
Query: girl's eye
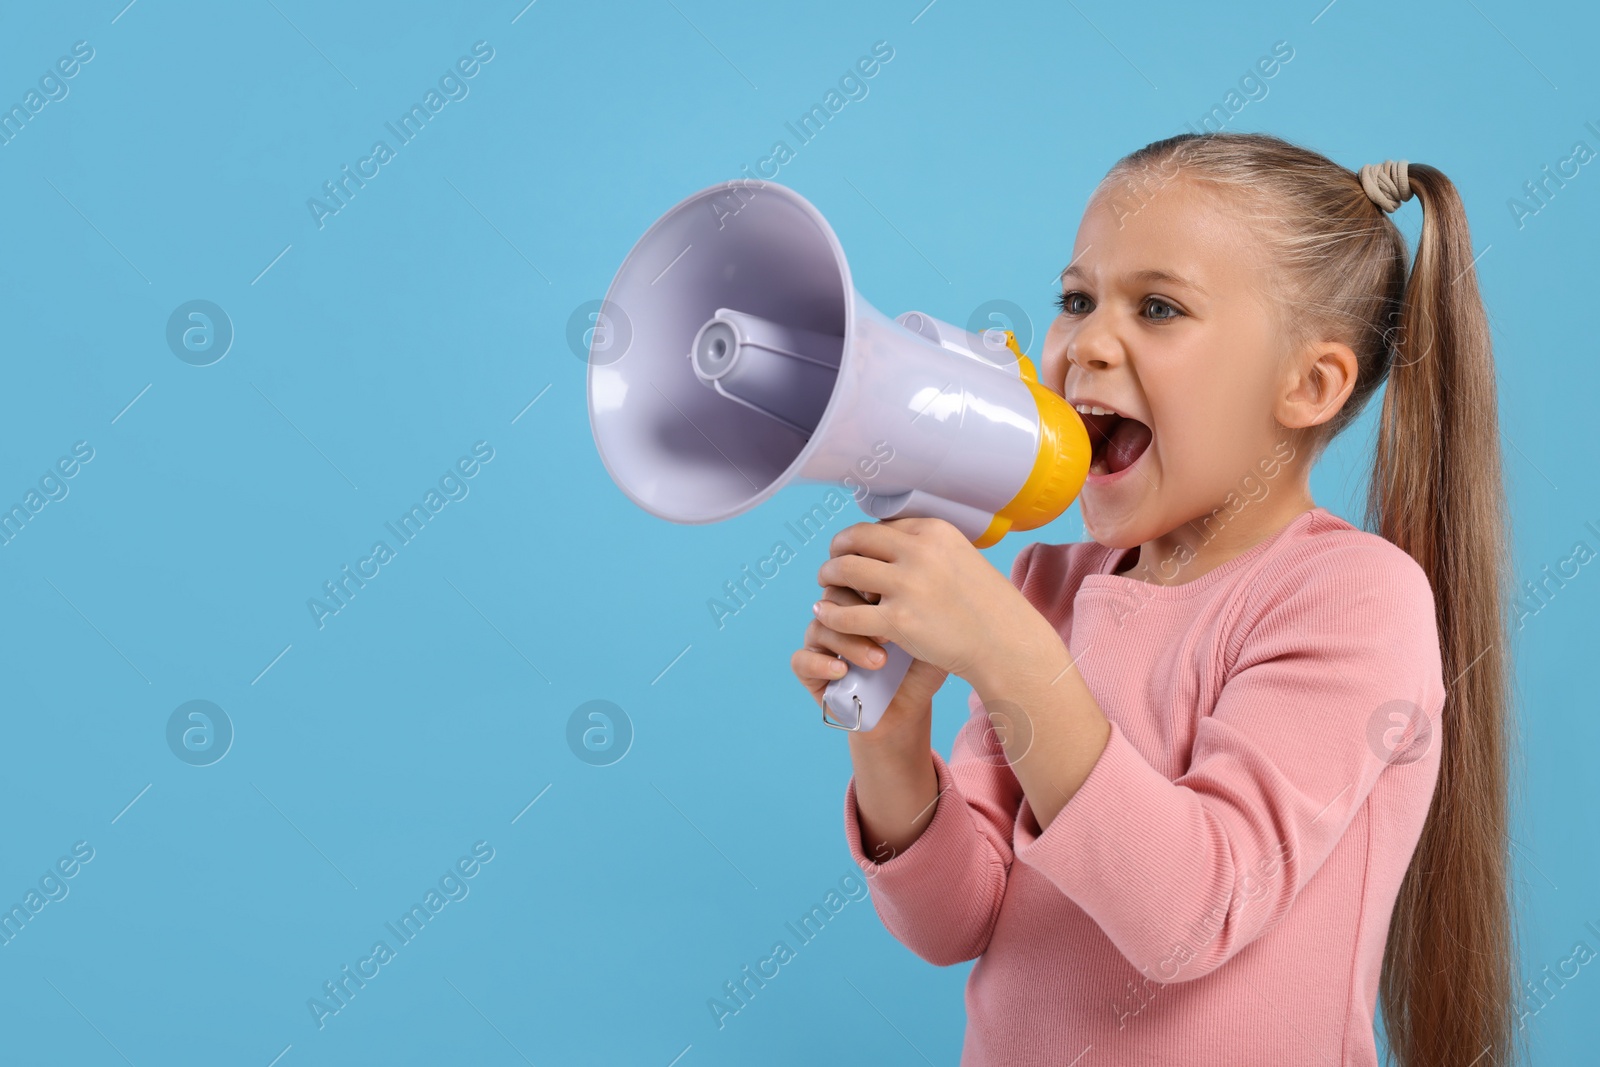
[1172, 312]
[1072, 303]
[1076, 303]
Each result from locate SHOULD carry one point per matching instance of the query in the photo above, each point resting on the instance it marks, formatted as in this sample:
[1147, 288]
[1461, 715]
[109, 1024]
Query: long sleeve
[942, 895]
[1332, 655]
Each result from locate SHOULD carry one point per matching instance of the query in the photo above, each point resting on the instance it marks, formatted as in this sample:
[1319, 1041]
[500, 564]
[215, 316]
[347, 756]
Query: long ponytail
[1449, 983]
[1448, 986]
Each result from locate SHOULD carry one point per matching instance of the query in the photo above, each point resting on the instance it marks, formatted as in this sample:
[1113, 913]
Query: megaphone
[733, 356]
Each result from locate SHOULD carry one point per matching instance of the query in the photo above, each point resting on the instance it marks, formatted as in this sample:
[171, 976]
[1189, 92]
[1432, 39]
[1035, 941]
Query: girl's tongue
[1118, 443]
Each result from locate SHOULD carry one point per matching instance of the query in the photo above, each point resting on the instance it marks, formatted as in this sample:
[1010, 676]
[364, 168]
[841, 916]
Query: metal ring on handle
[837, 726]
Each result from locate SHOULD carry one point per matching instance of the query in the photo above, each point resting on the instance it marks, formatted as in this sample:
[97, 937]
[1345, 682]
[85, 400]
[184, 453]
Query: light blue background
[373, 352]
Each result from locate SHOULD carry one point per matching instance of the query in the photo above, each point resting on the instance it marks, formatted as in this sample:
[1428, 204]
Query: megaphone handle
[859, 699]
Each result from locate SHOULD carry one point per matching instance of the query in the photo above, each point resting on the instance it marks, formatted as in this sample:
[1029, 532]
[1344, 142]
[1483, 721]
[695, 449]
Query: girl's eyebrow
[1149, 274]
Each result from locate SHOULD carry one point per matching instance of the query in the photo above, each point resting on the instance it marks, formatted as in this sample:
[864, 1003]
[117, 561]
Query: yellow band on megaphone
[1059, 467]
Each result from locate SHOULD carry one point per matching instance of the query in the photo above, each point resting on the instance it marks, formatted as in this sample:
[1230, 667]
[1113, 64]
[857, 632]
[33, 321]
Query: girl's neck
[1205, 543]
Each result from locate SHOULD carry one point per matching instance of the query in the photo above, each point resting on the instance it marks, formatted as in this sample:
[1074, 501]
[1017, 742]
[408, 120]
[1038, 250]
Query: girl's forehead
[1177, 228]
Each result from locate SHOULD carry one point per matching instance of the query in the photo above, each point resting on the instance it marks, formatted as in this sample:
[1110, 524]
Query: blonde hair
[1339, 271]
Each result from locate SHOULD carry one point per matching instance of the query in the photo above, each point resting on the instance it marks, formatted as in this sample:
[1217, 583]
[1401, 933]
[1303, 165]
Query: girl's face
[1165, 321]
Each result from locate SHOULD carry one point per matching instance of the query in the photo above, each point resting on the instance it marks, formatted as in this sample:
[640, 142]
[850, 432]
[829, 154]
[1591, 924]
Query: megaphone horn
[753, 363]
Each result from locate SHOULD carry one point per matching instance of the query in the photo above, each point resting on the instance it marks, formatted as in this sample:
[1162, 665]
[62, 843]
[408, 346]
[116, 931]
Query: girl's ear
[1318, 384]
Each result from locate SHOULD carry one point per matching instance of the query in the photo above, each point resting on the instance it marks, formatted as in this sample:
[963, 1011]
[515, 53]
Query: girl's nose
[1094, 346]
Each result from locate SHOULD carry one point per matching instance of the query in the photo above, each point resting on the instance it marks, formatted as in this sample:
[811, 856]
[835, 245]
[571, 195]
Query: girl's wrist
[1038, 649]
[895, 796]
[887, 747]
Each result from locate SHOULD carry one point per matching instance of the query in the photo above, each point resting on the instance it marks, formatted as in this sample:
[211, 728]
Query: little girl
[1235, 767]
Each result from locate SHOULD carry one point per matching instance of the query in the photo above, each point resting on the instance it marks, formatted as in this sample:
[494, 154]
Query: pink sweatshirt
[1219, 889]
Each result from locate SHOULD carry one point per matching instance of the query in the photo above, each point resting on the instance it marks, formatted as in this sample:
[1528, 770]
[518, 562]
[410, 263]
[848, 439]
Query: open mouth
[1118, 442]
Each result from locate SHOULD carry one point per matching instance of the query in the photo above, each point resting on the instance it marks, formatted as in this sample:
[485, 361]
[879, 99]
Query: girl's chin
[1109, 523]
[1116, 514]
[1114, 498]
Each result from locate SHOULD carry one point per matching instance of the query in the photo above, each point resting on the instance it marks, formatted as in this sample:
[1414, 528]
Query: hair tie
[1386, 183]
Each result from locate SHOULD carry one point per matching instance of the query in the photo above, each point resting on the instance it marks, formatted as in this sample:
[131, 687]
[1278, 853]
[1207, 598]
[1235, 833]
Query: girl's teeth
[1094, 409]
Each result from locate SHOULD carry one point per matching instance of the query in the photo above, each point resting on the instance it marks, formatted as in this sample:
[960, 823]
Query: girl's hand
[909, 716]
[938, 597]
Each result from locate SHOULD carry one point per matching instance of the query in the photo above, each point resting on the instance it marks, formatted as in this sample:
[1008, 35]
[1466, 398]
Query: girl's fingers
[818, 665]
[853, 647]
[819, 662]
[844, 595]
[858, 620]
[859, 573]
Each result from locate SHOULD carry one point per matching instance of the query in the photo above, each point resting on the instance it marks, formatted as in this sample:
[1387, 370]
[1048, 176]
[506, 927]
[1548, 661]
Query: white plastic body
[783, 372]
[929, 420]
[989, 346]
[873, 688]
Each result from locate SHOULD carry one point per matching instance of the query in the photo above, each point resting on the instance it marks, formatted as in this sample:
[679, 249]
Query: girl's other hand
[909, 718]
